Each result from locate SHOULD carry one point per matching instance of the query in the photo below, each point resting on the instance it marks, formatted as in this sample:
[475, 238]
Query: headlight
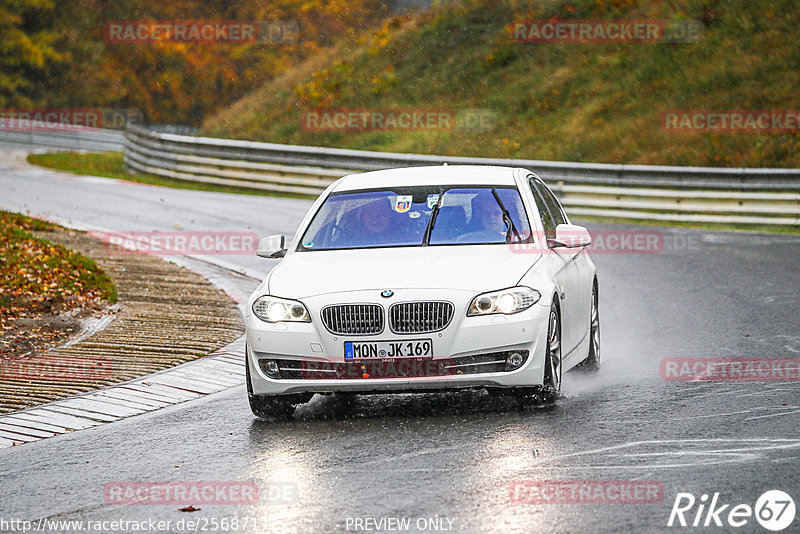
[277, 310]
[506, 301]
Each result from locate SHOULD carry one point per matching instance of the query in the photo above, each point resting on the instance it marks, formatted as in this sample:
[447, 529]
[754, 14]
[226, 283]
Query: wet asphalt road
[453, 456]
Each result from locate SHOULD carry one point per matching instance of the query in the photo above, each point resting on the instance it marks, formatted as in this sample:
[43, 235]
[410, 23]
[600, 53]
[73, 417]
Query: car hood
[470, 267]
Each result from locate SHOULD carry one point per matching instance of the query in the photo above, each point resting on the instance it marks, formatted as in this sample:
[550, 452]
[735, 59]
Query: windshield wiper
[429, 229]
[506, 218]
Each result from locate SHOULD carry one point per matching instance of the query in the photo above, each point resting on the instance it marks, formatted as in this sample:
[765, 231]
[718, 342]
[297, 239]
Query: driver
[487, 224]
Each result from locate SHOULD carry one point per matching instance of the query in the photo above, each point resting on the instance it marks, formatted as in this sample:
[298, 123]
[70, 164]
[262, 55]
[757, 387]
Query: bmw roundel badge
[386, 293]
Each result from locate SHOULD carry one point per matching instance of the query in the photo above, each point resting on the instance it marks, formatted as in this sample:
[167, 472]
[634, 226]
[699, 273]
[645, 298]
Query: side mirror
[570, 236]
[273, 246]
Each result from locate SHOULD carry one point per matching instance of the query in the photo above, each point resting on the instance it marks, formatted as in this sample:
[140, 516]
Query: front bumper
[464, 341]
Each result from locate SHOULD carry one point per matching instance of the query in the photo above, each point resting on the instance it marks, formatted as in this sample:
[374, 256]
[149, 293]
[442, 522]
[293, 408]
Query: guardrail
[93, 140]
[688, 194]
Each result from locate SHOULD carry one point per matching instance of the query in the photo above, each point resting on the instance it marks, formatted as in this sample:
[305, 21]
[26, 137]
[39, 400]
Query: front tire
[553, 364]
[267, 406]
[550, 389]
[592, 361]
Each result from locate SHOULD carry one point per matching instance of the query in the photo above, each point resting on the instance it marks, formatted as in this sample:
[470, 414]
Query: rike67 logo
[774, 510]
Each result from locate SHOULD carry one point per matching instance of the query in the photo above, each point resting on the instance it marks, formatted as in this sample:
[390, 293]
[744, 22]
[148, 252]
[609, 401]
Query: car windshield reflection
[418, 216]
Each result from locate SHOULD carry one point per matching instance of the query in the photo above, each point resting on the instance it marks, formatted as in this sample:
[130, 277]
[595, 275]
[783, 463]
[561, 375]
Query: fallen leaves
[40, 282]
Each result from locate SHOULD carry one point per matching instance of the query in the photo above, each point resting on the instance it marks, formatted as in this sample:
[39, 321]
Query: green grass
[111, 165]
[106, 164]
[567, 102]
[34, 270]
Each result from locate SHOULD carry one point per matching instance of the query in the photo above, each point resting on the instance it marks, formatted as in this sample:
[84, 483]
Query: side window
[544, 212]
[552, 203]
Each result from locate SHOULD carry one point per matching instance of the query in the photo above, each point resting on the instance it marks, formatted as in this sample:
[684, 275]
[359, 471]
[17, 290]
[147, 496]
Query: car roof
[433, 175]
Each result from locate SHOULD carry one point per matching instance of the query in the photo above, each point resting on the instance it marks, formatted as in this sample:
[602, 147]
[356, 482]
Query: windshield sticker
[432, 200]
[403, 203]
[309, 244]
[414, 214]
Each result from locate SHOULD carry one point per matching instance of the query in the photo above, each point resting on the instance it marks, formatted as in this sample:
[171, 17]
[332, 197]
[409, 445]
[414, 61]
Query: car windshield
[418, 216]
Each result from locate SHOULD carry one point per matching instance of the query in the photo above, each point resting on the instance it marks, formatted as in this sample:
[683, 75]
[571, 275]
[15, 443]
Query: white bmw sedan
[422, 279]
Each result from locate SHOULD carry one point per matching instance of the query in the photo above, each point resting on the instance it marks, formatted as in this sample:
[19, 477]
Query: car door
[581, 259]
[565, 271]
[582, 293]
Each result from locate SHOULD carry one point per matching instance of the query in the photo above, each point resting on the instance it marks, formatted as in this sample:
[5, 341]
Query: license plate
[379, 350]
